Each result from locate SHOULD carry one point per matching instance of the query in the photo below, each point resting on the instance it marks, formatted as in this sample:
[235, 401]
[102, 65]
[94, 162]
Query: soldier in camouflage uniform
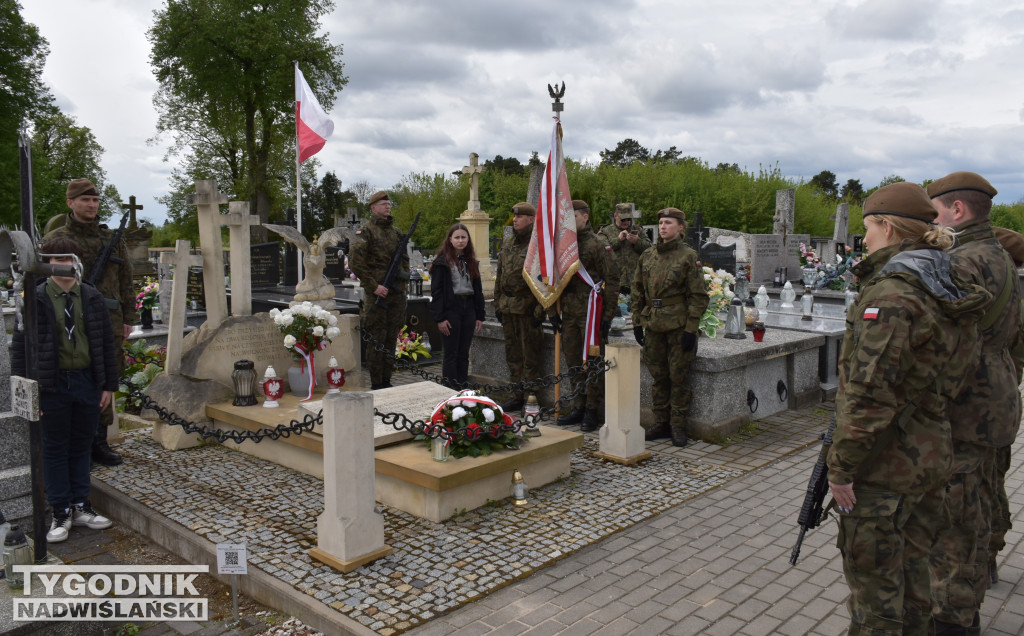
[986, 415]
[628, 242]
[83, 226]
[374, 248]
[516, 308]
[596, 257]
[668, 298]
[911, 340]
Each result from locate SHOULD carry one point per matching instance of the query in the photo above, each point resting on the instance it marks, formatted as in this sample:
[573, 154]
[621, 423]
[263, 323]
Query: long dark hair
[447, 252]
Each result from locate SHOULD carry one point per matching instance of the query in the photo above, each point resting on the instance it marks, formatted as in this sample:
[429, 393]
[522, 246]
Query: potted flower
[719, 287]
[146, 300]
[410, 345]
[473, 424]
[307, 328]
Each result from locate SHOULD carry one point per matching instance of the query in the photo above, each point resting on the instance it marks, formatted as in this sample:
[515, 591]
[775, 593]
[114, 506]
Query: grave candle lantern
[750, 313]
[244, 379]
[273, 388]
[518, 489]
[807, 305]
[335, 376]
[734, 321]
[415, 283]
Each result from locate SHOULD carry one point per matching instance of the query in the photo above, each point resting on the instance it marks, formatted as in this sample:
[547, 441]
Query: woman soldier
[457, 302]
[668, 298]
[911, 339]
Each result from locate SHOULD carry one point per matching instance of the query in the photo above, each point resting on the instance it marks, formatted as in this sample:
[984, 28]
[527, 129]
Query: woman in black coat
[457, 302]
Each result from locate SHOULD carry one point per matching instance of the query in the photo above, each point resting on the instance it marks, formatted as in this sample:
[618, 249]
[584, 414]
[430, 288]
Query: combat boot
[513, 405]
[590, 422]
[942, 628]
[679, 436]
[575, 416]
[658, 431]
[103, 454]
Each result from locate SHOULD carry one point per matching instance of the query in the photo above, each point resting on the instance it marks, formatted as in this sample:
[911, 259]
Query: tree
[825, 181]
[504, 166]
[320, 202]
[23, 96]
[227, 86]
[853, 191]
[891, 179]
[667, 156]
[625, 153]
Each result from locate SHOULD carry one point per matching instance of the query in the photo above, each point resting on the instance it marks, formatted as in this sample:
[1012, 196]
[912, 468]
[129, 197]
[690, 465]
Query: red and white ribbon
[595, 307]
[307, 359]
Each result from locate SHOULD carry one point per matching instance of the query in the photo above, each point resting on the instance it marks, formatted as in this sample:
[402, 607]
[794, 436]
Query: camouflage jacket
[116, 284]
[911, 341]
[596, 256]
[512, 294]
[626, 254]
[669, 273]
[372, 251]
[988, 411]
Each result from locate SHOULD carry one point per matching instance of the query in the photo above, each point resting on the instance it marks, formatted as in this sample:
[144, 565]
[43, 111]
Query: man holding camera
[627, 240]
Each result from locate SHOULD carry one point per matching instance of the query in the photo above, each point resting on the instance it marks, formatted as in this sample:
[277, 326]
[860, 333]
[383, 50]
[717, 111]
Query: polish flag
[312, 125]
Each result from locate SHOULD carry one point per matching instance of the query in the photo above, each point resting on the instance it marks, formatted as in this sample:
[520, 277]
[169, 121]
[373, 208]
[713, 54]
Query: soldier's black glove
[638, 333]
[606, 327]
[689, 341]
[497, 315]
[556, 323]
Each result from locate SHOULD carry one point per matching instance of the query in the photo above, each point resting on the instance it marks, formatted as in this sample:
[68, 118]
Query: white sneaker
[85, 516]
[60, 527]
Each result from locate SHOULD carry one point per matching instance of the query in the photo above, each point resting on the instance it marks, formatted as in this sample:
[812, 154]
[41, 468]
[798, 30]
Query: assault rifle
[107, 255]
[396, 261]
[812, 511]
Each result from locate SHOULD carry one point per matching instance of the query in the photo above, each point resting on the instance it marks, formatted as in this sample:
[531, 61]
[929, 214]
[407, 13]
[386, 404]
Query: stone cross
[785, 206]
[473, 170]
[180, 259]
[132, 207]
[842, 232]
[207, 199]
[238, 221]
[698, 228]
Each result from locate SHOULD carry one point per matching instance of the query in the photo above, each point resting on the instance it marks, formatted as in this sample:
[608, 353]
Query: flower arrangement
[410, 345]
[808, 257]
[476, 426]
[719, 285]
[828, 276]
[306, 327]
[142, 363]
[147, 298]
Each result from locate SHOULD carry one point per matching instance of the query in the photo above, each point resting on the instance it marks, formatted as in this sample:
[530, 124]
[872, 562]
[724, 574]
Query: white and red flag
[312, 125]
[553, 256]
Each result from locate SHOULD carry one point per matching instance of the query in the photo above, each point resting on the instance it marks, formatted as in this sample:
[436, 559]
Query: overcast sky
[865, 89]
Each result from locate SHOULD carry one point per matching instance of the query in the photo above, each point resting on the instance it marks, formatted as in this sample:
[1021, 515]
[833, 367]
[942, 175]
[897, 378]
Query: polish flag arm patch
[871, 313]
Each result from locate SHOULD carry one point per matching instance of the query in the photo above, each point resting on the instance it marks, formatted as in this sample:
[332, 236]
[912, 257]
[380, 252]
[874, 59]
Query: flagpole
[557, 107]
[298, 182]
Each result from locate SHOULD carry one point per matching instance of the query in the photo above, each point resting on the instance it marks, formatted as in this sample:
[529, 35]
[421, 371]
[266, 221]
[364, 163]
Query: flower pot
[147, 318]
[299, 378]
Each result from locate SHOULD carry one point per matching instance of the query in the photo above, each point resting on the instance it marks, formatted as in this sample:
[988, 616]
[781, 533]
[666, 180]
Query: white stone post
[180, 259]
[478, 222]
[207, 200]
[350, 532]
[621, 439]
[238, 221]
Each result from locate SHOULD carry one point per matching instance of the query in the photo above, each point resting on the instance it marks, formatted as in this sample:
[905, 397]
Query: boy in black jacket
[77, 375]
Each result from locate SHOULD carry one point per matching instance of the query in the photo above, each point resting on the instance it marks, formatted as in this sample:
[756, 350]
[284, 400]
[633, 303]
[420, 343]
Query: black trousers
[462, 317]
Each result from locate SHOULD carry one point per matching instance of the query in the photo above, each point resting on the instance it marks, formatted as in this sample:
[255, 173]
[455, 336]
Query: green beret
[578, 204]
[78, 187]
[379, 195]
[905, 199]
[523, 208]
[674, 213]
[961, 181]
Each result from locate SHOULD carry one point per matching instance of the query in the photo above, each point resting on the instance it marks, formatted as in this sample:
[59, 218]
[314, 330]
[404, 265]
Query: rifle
[107, 255]
[396, 261]
[812, 512]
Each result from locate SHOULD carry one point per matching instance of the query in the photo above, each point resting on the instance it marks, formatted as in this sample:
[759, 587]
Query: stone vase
[809, 275]
[299, 378]
[147, 318]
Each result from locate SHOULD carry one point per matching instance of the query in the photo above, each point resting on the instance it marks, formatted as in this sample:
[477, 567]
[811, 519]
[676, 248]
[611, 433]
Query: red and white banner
[312, 125]
[553, 256]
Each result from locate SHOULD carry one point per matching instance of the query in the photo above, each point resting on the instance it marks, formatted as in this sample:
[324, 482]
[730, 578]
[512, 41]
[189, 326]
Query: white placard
[232, 558]
[25, 398]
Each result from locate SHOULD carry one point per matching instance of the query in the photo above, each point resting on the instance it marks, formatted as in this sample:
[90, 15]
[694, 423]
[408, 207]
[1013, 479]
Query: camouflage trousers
[574, 326]
[670, 369]
[885, 543]
[383, 325]
[523, 342]
[1001, 523]
[959, 559]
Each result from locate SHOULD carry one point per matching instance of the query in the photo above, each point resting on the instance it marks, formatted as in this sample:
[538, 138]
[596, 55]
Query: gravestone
[239, 221]
[15, 472]
[195, 290]
[785, 211]
[730, 238]
[207, 201]
[265, 262]
[696, 233]
[719, 257]
[791, 247]
[841, 234]
[334, 264]
[766, 254]
[180, 261]
[416, 260]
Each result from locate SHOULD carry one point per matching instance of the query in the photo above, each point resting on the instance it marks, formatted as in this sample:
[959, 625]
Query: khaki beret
[961, 181]
[578, 204]
[379, 195]
[905, 199]
[524, 208]
[623, 208]
[1013, 243]
[674, 213]
[78, 187]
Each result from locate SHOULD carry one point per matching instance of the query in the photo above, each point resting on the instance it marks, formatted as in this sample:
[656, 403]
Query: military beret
[623, 208]
[674, 213]
[379, 195]
[578, 204]
[1013, 243]
[961, 181]
[901, 199]
[78, 187]
[524, 209]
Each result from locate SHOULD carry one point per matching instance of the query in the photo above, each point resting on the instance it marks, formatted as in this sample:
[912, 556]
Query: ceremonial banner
[553, 256]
